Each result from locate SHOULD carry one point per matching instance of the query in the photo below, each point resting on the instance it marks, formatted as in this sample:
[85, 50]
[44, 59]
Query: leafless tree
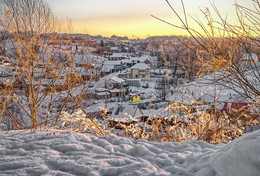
[45, 77]
[222, 45]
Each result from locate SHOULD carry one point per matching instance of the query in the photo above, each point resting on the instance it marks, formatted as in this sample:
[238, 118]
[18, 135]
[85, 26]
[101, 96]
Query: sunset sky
[132, 18]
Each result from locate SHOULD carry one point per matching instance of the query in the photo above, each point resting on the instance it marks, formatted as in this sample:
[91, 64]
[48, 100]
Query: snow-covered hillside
[55, 152]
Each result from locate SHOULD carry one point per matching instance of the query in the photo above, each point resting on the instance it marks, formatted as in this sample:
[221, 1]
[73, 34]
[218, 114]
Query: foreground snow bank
[240, 157]
[66, 153]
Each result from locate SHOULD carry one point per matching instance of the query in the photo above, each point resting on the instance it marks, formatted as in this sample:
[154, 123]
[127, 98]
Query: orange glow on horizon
[133, 18]
[132, 28]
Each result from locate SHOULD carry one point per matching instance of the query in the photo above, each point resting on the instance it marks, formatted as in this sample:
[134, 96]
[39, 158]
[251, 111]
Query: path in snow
[67, 153]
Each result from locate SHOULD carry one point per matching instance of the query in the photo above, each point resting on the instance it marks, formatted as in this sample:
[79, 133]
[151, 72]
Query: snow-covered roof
[116, 79]
[109, 65]
[126, 61]
[101, 89]
[112, 63]
[107, 68]
[118, 55]
[116, 90]
[141, 66]
[114, 48]
[125, 113]
[158, 112]
[102, 93]
[141, 59]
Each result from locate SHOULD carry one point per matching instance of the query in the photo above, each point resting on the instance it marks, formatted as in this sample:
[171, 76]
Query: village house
[102, 93]
[143, 59]
[117, 93]
[110, 67]
[236, 103]
[139, 71]
[114, 82]
[115, 86]
[87, 73]
[124, 114]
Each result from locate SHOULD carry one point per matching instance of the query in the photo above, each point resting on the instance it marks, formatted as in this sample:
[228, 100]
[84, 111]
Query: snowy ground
[55, 152]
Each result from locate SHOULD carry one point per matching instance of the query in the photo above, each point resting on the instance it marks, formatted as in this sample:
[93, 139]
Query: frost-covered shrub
[184, 124]
[133, 130]
[187, 124]
[80, 122]
[207, 126]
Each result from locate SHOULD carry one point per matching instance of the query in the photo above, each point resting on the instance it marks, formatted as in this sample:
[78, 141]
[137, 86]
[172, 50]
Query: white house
[139, 71]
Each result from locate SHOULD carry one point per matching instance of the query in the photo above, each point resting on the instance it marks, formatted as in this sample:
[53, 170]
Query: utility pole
[163, 88]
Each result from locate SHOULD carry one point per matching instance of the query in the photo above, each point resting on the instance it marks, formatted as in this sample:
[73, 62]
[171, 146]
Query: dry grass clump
[212, 128]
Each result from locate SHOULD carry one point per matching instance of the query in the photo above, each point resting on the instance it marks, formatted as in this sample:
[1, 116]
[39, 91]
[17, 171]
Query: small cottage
[124, 114]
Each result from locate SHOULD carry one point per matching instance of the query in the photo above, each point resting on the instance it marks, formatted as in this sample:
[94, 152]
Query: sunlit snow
[55, 152]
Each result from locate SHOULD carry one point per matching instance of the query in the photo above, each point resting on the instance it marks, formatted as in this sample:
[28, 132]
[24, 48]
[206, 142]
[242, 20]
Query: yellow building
[135, 99]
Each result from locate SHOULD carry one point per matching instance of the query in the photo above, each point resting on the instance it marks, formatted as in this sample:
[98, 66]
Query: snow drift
[55, 152]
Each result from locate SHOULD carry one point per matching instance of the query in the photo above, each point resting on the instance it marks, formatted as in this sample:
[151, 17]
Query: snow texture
[66, 153]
